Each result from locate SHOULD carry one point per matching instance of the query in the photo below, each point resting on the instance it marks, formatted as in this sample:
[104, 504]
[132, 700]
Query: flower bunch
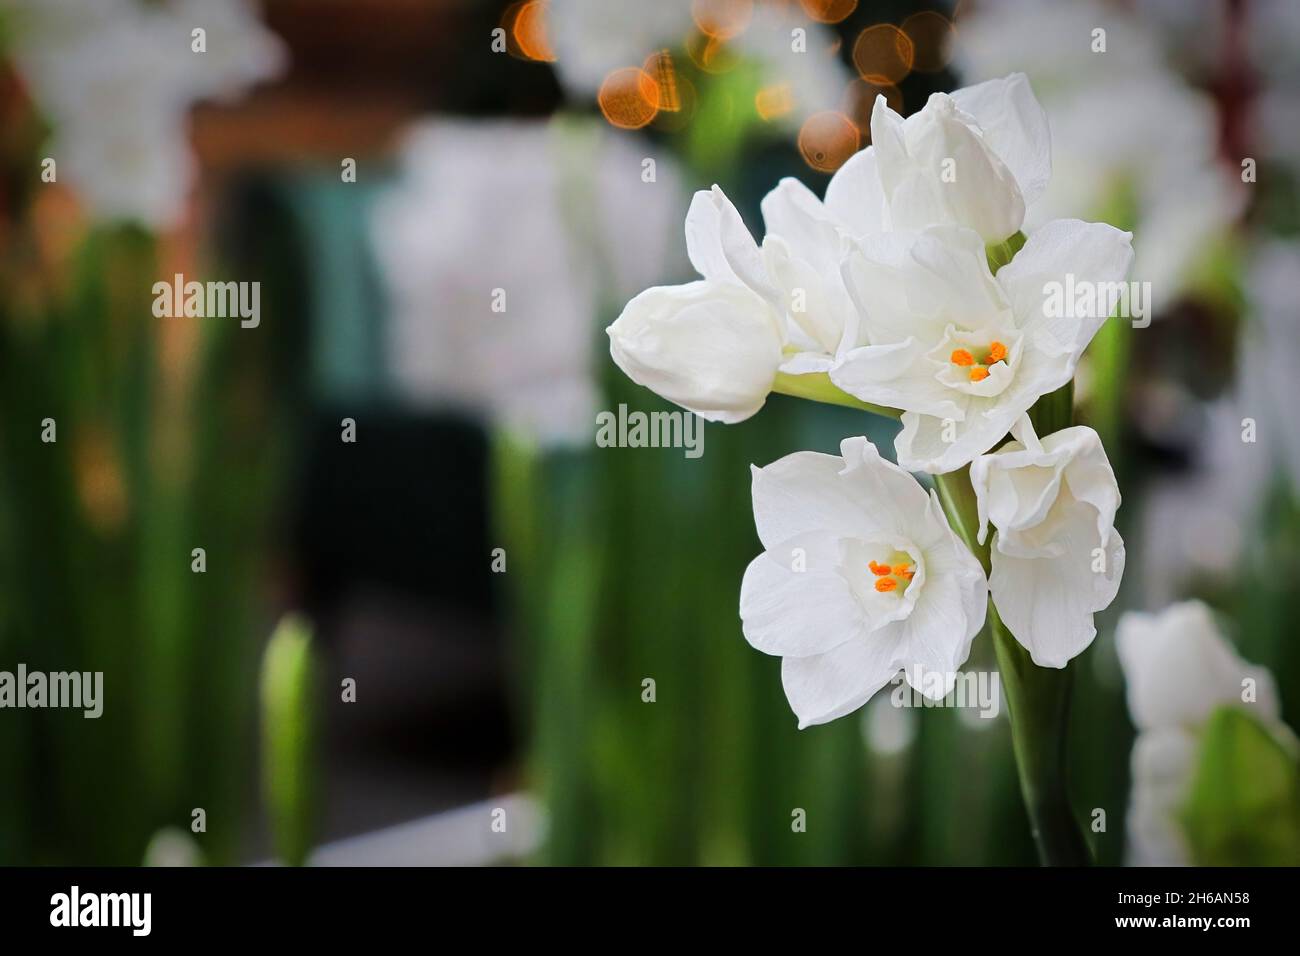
[912, 291]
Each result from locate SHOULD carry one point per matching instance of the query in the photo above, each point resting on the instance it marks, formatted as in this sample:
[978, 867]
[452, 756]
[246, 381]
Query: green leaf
[288, 739]
[1244, 808]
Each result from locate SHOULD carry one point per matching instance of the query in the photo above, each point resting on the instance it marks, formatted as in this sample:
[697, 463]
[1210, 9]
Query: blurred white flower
[556, 217]
[116, 80]
[1179, 670]
[814, 78]
[1219, 497]
[963, 353]
[172, 846]
[1111, 157]
[591, 38]
[861, 577]
[1273, 36]
[1270, 353]
[1057, 558]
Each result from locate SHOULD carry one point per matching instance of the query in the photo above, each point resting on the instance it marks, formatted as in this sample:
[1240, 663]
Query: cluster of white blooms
[1179, 670]
[116, 80]
[909, 288]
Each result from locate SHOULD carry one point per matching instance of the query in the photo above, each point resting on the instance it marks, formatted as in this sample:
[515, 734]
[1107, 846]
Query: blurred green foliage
[96, 559]
[289, 739]
[1244, 808]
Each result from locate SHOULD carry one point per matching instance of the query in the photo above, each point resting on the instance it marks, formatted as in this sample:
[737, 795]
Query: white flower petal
[1179, 669]
[840, 681]
[806, 492]
[894, 495]
[811, 299]
[941, 628]
[1065, 254]
[1014, 125]
[855, 197]
[936, 168]
[720, 246]
[1162, 765]
[896, 376]
[1048, 602]
[952, 280]
[795, 603]
[922, 444]
[792, 212]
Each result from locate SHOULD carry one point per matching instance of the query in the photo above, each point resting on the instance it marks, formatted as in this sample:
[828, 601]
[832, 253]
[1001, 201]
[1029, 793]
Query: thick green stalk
[1038, 699]
[1038, 702]
[817, 387]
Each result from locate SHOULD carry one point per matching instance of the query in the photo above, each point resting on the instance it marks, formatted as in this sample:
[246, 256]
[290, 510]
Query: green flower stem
[1038, 700]
[817, 387]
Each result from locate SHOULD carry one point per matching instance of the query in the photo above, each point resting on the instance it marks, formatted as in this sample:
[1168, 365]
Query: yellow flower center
[979, 367]
[892, 578]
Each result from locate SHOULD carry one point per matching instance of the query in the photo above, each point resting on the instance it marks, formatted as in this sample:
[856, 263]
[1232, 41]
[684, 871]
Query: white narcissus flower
[479, 206]
[861, 578]
[963, 353]
[976, 158]
[712, 346]
[1057, 558]
[116, 80]
[716, 346]
[1179, 670]
[1150, 167]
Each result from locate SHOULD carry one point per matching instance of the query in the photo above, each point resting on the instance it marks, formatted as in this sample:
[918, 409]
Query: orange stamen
[962, 357]
[997, 353]
[886, 584]
[979, 373]
[878, 569]
[903, 570]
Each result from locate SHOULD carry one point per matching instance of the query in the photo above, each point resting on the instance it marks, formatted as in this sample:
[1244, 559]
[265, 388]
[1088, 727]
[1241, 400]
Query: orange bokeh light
[883, 54]
[932, 36]
[773, 102]
[629, 98]
[828, 11]
[710, 54]
[525, 23]
[827, 140]
[686, 101]
[659, 67]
